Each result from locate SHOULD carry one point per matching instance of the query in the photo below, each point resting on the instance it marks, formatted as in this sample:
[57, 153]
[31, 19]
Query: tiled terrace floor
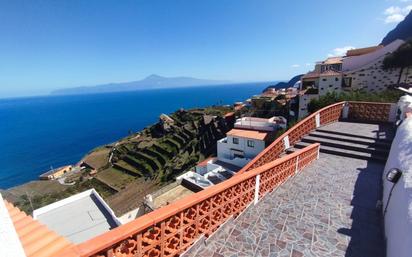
[328, 209]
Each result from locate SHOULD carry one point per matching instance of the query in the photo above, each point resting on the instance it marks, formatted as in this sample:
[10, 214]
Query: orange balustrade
[172, 229]
[359, 111]
[327, 115]
[369, 111]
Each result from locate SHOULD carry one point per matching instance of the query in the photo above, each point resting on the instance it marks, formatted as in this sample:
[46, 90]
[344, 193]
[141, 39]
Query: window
[235, 140]
[251, 143]
[336, 79]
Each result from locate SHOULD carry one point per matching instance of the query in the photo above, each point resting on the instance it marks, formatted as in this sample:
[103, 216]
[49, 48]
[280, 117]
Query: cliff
[402, 31]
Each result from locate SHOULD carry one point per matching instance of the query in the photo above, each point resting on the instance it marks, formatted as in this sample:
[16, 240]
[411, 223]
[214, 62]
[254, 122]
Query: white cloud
[309, 64]
[340, 51]
[395, 14]
[295, 66]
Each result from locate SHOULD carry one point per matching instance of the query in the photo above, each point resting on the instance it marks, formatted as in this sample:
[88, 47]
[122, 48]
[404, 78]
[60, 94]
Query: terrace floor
[328, 209]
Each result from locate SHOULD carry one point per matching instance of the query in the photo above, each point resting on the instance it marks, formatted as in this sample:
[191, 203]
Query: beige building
[56, 173]
[358, 69]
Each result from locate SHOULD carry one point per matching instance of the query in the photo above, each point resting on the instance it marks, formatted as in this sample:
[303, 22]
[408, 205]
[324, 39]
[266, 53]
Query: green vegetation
[389, 96]
[400, 59]
[166, 149]
[115, 178]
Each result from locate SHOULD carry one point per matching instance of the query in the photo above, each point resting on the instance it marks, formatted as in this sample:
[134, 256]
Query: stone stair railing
[354, 111]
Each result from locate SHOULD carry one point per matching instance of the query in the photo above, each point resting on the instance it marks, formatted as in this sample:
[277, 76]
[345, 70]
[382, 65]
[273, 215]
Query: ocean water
[39, 132]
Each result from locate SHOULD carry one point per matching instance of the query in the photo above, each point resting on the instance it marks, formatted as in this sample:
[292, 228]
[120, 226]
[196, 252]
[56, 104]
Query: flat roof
[253, 134]
[78, 220]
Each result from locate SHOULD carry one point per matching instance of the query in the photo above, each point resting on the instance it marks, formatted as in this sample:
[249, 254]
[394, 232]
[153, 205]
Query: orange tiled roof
[333, 60]
[310, 75]
[204, 162]
[37, 240]
[314, 74]
[253, 134]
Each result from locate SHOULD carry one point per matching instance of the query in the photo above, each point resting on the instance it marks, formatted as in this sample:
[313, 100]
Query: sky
[47, 44]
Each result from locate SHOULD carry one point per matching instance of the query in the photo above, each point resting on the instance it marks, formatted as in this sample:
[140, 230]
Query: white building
[359, 69]
[253, 123]
[241, 146]
[249, 137]
[79, 217]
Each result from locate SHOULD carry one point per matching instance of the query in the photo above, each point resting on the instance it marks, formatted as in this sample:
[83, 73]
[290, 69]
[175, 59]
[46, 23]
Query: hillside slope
[402, 31]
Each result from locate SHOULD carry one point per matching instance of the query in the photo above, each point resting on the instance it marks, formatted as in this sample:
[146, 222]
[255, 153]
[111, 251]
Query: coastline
[109, 181]
[64, 129]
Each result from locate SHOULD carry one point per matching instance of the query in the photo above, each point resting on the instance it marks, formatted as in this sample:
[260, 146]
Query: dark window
[251, 143]
[323, 79]
[238, 155]
[336, 79]
[235, 140]
[330, 85]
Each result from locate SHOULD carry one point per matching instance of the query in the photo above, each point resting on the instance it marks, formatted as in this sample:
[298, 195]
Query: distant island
[151, 82]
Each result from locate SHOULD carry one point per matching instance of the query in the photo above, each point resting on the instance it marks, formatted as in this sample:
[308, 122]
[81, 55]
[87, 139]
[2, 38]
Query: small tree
[401, 58]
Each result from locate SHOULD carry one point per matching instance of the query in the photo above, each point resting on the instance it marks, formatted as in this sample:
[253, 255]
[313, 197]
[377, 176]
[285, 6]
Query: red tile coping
[37, 240]
[117, 235]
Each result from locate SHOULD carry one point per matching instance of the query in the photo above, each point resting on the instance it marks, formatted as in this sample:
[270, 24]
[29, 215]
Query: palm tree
[401, 58]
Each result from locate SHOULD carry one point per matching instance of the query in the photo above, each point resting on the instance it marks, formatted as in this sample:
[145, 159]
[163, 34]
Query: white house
[241, 146]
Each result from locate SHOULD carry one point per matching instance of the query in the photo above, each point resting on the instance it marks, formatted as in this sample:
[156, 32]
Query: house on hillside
[242, 145]
[358, 69]
[56, 173]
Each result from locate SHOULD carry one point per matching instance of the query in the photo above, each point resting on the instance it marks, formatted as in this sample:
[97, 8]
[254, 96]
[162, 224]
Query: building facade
[359, 69]
[241, 146]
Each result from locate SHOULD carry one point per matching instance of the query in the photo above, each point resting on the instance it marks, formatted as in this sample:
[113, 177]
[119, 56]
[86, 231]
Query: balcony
[296, 198]
[328, 209]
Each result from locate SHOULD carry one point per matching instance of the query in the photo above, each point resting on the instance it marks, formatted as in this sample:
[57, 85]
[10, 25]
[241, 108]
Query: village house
[358, 69]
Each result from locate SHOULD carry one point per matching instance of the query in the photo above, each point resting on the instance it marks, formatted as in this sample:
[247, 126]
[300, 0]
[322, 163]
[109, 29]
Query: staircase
[347, 144]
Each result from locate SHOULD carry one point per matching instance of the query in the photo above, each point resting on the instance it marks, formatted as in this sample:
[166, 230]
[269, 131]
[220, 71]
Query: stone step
[385, 140]
[345, 152]
[370, 142]
[346, 145]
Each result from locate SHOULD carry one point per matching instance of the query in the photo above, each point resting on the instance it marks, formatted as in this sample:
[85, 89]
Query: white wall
[226, 154]
[10, 243]
[329, 84]
[398, 219]
[303, 104]
[356, 62]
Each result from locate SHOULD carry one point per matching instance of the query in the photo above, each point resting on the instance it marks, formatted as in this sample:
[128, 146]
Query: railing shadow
[366, 233]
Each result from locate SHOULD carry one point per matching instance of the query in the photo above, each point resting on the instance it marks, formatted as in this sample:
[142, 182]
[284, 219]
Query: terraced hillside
[137, 165]
[170, 147]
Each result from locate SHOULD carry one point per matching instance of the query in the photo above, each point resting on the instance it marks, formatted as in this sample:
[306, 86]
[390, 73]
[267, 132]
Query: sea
[38, 133]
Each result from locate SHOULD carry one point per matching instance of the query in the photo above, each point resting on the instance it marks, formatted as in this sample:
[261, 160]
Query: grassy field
[98, 158]
[115, 178]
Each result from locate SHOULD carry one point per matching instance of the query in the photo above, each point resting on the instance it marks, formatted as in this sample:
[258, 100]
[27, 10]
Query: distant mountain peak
[153, 77]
